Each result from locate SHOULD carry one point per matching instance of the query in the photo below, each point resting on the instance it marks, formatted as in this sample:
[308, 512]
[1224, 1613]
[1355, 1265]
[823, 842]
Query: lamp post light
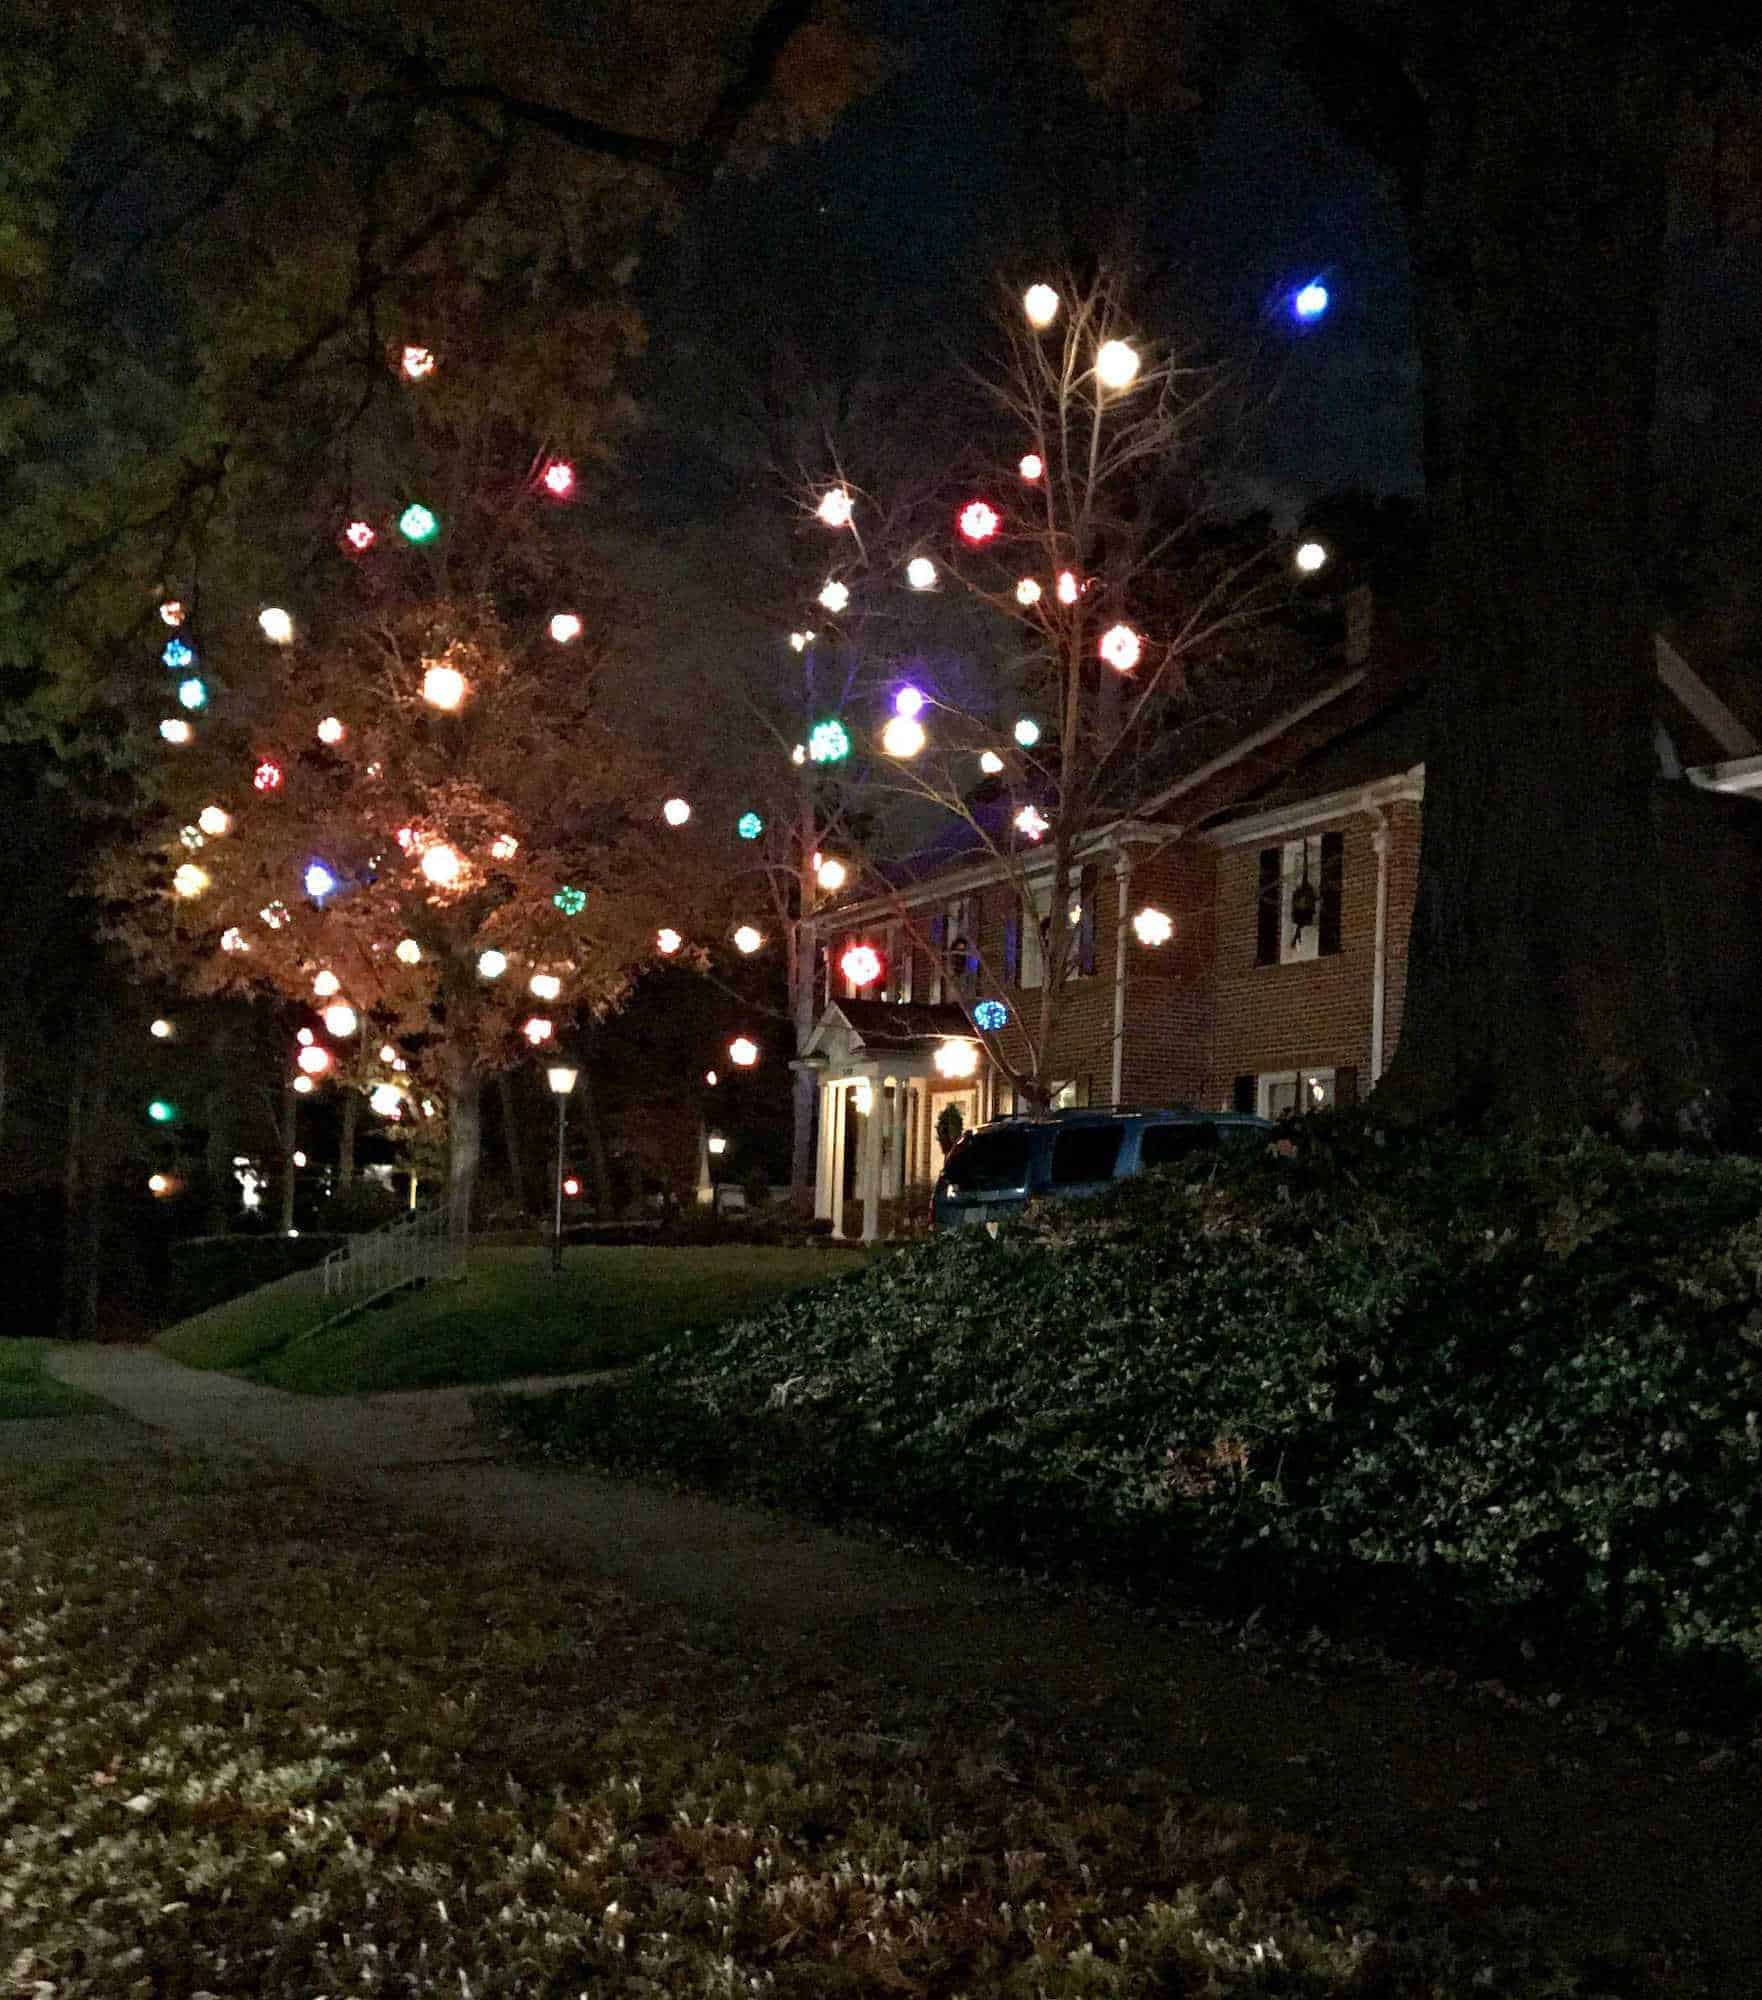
[561, 1079]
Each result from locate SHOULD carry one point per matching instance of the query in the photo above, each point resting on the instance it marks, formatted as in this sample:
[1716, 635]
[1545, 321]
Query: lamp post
[561, 1079]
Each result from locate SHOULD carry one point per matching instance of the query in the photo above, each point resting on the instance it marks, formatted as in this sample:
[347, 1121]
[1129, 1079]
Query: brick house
[1287, 865]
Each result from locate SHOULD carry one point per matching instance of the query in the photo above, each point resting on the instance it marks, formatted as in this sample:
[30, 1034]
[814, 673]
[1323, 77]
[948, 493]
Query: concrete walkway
[1600, 1834]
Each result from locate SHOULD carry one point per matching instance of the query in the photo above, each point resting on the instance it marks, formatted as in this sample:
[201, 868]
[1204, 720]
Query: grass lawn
[27, 1389]
[509, 1317]
[274, 1741]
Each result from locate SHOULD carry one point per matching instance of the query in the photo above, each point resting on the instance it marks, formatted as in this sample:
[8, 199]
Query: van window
[990, 1163]
[1085, 1153]
[1162, 1145]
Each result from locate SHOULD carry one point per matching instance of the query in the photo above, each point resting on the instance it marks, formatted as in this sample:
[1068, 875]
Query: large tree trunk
[345, 1167]
[511, 1147]
[464, 1134]
[1540, 981]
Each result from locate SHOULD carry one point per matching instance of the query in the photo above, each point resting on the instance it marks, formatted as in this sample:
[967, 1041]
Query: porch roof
[886, 1027]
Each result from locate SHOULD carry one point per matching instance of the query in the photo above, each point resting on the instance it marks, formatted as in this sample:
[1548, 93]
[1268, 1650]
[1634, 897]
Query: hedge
[1517, 1376]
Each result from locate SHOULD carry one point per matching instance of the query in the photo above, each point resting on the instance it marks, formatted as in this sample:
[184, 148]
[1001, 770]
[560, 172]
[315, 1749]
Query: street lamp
[561, 1079]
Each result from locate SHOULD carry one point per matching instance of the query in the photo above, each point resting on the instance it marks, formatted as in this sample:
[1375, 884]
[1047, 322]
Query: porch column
[826, 1098]
[869, 1185]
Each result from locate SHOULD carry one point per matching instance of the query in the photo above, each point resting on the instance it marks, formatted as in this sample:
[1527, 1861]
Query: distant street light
[561, 1079]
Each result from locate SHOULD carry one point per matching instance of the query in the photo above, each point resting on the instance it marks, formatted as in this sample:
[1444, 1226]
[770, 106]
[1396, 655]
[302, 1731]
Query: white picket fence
[415, 1248]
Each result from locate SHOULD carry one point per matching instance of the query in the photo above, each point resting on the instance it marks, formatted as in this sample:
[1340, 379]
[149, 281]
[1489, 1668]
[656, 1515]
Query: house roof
[897, 1025]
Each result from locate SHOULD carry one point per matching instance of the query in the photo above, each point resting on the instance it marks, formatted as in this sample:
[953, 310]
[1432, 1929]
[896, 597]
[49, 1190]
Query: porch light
[956, 1059]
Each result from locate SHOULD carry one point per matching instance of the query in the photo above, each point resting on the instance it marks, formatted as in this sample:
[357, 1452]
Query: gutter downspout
[1123, 874]
[1380, 955]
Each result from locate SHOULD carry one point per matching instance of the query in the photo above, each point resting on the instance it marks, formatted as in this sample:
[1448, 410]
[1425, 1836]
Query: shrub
[1524, 1376]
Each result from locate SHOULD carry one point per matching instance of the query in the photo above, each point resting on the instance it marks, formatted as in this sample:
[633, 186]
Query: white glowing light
[538, 1029]
[743, 1052]
[565, 627]
[1026, 732]
[1027, 592]
[990, 763]
[1031, 465]
[1116, 364]
[860, 964]
[313, 1060]
[234, 939]
[835, 508]
[176, 730]
[1040, 303]
[491, 964]
[172, 611]
[158, 1184]
[416, 362]
[331, 730]
[903, 737]
[161, 1030]
[559, 479]
[504, 847]
[710, 1078]
[299, 1159]
[978, 521]
[544, 986]
[1067, 586]
[1121, 648]
[326, 984]
[955, 1059]
[442, 865]
[834, 596]
[387, 1054]
[799, 641]
[830, 873]
[360, 536]
[748, 939]
[386, 1099]
[408, 952]
[340, 1019]
[1310, 557]
[191, 838]
[214, 821]
[304, 1085]
[799, 755]
[1032, 823]
[717, 1144]
[318, 881]
[862, 1099]
[275, 915]
[190, 880]
[920, 573]
[443, 687]
[676, 812]
[667, 941]
[1153, 927]
[277, 627]
[909, 701]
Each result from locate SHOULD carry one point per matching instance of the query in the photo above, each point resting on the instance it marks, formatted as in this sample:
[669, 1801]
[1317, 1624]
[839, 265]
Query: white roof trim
[981, 874]
[1702, 703]
[1307, 812]
[1737, 775]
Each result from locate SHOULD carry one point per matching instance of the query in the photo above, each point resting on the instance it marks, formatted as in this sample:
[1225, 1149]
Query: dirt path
[1599, 1834]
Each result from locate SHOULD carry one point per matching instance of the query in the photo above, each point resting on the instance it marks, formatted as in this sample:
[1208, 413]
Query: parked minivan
[996, 1170]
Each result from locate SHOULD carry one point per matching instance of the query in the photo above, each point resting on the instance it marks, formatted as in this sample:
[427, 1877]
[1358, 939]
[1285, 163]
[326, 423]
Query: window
[990, 1163]
[1163, 1145]
[1288, 1093]
[1084, 1153]
[1036, 911]
[1299, 906]
[1077, 1095]
[1080, 961]
[954, 950]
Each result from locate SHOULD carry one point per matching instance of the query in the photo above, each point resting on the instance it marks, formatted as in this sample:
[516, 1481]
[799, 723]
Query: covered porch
[886, 1073]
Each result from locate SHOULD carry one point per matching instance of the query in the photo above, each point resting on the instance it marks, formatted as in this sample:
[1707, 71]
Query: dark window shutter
[1090, 884]
[938, 967]
[1345, 1088]
[1012, 950]
[1266, 937]
[1333, 855]
[1242, 1096]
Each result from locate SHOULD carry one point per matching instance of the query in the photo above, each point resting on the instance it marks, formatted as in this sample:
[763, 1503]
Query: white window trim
[1291, 858]
[1302, 1079]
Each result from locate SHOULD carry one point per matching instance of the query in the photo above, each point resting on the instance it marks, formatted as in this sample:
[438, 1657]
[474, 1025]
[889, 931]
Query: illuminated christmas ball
[835, 508]
[1040, 303]
[326, 983]
[178, 654]
[834, 596]
[416, 362]
[331, 730]
[1153, 927]
[1031, 465]
[405, 837]
[305, 1038]
[214, 821]
[340, 1019]
[748, 939]
[1032, 823]
[544, 986]
[990, 1015]
[667, 941]
[743, 1052]
[571, 1186]
[799, 755]
[193, 693]
[799, 641]
[676, 812]
[1310, 301]
[159, 1184]
[360, 536]
[234, 939]
[955, 1059]
[1027, 592]
[571, 901]
[314, 1061]
[491, 964]
[990, 763]
[191, 836]
[176, 730]
[903, 737]
[443, 687]
[277, 626]
[172, 611]
[1026, 732]
[1310, 557]
[828, 742]
[538, 1029]
[1116, 364]
[909, 701]
[304, 1086]
[710, 1078]
[274, 915]
[388, 1054]
[860, 964]
[162, 1111]
[190, 880]
[408, 952]
[978, 521]
[831, 874]
[417, 524]
[299, 1159]
[920, 573]
[559, 479]
[161, 1030]
[1067, 586]
[267, 776]
[319, 881]
[1121, 648]
[565, 628]
[749, 826]
[504, 847]
[386, 1100]
[442, 865]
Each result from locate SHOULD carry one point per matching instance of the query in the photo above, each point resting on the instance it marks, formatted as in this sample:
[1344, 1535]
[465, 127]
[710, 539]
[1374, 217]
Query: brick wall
[1169, 987]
